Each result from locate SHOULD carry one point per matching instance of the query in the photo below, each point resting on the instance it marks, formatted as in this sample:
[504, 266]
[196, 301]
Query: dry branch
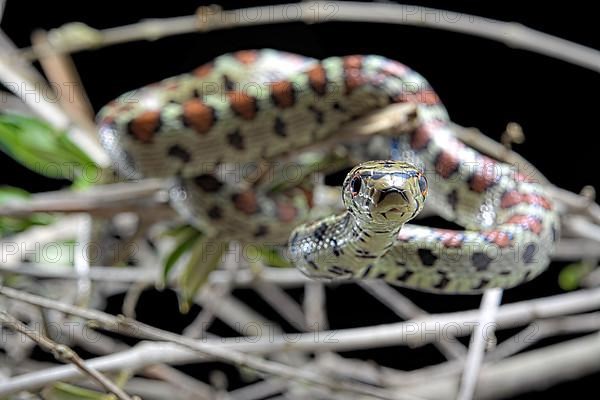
[213, 18]
[63, 354]
[415, 332]
[534, 370]
[14, 78]
[127, 326]
[488, 310]
[406, 309]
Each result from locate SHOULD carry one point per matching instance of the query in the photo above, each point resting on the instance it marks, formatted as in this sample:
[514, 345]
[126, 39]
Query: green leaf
[10, 225]
[43, 149]
[269, 256]
[187, 238]
[177, 230]
[204, 258]
[8, 193]
[570, 277]
[66, 391]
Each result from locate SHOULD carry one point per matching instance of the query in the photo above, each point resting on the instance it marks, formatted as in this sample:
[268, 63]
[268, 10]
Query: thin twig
[534, 332]
[259, 390]
[9, 49]
[15, 79]
[132, 297]
[236, 314]
[544, 328]
[527, 372]
[489, 308]
[406, 309]
[61, 70]
[127, 326]
[181, 381]
[64, 354]
[315, 309]
[212, 18]
[81, 261]
[282, 303]
[408, 333]
[101, 200]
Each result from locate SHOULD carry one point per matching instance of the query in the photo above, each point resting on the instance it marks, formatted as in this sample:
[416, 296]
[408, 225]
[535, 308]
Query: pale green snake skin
[260, 105]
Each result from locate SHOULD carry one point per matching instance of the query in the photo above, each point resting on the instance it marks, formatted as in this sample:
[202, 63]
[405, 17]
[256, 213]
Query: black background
[483, 84]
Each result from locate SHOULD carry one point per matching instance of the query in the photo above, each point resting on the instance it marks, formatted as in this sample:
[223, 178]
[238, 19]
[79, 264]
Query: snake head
[386, 192]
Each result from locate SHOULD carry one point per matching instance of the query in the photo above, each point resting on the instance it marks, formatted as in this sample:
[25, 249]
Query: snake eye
[355, 185]
[423, 184]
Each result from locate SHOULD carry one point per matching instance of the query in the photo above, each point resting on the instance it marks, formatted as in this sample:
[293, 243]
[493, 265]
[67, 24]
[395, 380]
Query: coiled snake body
[259, 105]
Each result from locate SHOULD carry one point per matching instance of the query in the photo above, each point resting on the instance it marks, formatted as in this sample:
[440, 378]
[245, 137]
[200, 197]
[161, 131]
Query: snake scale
[257, 105]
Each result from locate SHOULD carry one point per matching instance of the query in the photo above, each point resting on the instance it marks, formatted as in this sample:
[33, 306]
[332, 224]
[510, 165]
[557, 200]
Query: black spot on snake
[312, 264]
[215, 213]
[364, 254]
[128, 158]
[319, 233]
[452, 199]
[336, 269]
[335, 248]
[337, 106]
[179, 152]
[366, 271]
[279, 127]
[405, 276]
[262, 230]
[480, 260]
[380, 275]
[530, 274]
[228, 83]
[236, 140]
[319, 115]
[529, 253]
[482, 284]
[427, 257]
[444, 281]
[208, 183]
[294, 239]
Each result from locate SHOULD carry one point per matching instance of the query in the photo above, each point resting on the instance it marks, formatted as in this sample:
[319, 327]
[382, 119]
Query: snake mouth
[394, 213]
[392, 201]
[395, 210]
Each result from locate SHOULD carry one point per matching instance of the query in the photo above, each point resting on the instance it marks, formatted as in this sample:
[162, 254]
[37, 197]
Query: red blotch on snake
[246, 56]
[145, 125]
[283, 94]
[198, 115]
[242, 104]
[527, 222]
[317, 78]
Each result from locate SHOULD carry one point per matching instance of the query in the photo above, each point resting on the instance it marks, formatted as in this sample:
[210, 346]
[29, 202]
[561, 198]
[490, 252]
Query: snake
[251, 106]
